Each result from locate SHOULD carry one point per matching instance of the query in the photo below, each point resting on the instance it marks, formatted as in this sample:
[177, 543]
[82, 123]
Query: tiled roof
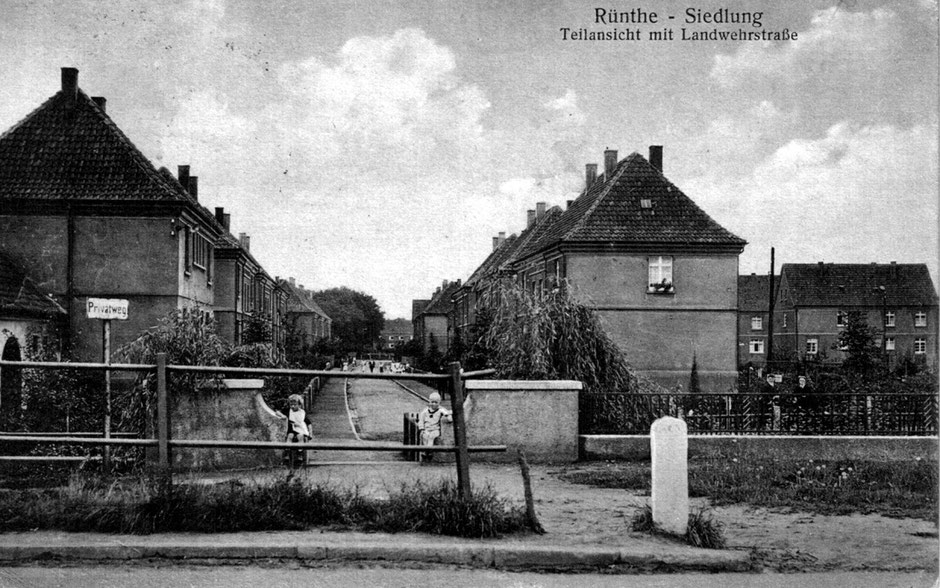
[69, 149]
[441, 301]
[533, 238]
[754, 292]
[847, 284]
[493, 261]
[20, 296]
[300, 300]
[638, 205]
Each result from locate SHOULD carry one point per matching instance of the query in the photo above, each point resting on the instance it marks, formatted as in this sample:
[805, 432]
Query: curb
[467, 555]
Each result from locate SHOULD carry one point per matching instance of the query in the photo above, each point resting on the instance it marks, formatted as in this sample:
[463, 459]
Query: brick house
[898, 300]
[88, 216]
[434, 320]
[661, 273]
[396, 332]
[308, 320]
[753, 319]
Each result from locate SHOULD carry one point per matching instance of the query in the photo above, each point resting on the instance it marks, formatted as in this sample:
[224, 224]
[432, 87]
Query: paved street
[274, 575]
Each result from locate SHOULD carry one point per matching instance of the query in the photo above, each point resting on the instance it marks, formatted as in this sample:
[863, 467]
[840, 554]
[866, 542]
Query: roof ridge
[608, 185]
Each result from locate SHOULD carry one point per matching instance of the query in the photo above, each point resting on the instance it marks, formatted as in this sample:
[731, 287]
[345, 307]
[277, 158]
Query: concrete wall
[540, 418]
[637, 447]
[233, 411]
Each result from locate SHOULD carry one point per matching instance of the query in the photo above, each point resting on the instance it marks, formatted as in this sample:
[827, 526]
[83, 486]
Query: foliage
[257, 330]
[858, 341]
[704, 531]
[694, 386]
[187, 337]
[144, 506]
[550, 337]
[431, 360]
[357, 318]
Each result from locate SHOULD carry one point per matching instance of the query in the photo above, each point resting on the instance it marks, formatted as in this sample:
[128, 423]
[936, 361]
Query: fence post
[460, 432]
[163, 418]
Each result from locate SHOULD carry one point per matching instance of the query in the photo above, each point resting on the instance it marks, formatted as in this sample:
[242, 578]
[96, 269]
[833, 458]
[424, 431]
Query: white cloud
[837, 43]
[857, 194]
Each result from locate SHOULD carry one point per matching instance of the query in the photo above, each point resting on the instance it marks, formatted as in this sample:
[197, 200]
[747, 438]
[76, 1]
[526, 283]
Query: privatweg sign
[107, 308]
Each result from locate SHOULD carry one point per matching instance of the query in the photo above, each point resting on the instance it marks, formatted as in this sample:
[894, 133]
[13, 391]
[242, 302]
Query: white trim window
[920, 319]
[660, 275]
[812, 346]
[757, 346]
[920, 346]
[889, 343]
[757, 323]
[842, 318]
[890, 318]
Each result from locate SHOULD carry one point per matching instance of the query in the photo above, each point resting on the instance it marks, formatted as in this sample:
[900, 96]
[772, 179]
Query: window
[920, 346]
[757, 345]
[646, 203]
[920, 319]
[187, 250]
[812, 346]
[757, 323]
[889, 344]
[660, 275]
[202, 251]
[842, 318]
[784, 320]
[889, 318]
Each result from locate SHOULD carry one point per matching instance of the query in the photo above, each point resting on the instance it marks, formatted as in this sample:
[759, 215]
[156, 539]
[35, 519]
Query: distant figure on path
[429, 422]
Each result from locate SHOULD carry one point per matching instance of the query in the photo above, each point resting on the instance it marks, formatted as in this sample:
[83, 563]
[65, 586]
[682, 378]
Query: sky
[381, 145]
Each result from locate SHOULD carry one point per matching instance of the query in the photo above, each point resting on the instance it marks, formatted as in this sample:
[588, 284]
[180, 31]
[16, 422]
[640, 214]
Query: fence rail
[763, 414]
[454, 381]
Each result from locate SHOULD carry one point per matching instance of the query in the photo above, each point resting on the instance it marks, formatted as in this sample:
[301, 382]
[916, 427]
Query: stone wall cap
[523, 385]
[242, 384]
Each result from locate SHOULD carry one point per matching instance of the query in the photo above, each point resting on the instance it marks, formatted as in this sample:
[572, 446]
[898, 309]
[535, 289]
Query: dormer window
[646, 203]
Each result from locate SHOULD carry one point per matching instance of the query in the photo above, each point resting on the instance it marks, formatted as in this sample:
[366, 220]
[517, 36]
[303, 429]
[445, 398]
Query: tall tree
[857, 339]
[357, 318]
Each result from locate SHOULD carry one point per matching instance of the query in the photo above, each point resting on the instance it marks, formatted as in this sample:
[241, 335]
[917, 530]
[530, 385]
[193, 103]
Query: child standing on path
[429, 422]
[298, 430]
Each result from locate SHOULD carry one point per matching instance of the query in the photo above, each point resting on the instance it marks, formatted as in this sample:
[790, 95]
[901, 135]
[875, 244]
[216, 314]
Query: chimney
[101, 101]
[610, 162]
[502, 237]
[245, 241]
[220, 215]
[227, 221]
[495, 243]
[70, 82]
[530, 218]
[539, 209]
[568, 204]
[291, 281]
[590, 174]
[182, 174]
[656, 156]
[194, 187]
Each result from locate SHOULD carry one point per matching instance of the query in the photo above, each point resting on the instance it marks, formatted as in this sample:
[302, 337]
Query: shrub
[704, 531]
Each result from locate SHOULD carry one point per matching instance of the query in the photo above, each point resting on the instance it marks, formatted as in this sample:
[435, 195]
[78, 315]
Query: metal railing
[763, 414]
[164, 444]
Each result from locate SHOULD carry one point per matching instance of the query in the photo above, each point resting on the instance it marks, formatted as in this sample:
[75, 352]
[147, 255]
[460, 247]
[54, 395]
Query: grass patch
[901, 489]
[142, 506]
[702, 530]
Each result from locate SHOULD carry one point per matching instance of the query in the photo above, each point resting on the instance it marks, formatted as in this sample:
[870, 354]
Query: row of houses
[663, 278]
[84, 214]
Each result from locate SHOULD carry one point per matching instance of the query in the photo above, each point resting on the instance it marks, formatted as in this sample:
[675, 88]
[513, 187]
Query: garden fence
[763, 414]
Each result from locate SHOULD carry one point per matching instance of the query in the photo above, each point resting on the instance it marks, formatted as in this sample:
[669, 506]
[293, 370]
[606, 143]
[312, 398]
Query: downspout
[69, 276]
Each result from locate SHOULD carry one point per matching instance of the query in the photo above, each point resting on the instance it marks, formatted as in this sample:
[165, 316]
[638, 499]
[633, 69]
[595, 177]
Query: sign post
[107, 309]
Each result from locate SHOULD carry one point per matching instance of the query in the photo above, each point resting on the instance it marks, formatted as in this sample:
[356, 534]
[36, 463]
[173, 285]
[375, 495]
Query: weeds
[141, 507]
[702, 530]
[906, 489]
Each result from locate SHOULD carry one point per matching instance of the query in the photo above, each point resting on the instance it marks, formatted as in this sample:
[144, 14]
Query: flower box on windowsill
[661, 289]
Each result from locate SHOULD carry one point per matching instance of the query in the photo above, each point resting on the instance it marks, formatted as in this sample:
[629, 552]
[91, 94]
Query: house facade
[86, 215]
[898, 301]
[433, 322]
[660, 273]
[754, 319]
[90, 217]
[304, 316]
[396, 332]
